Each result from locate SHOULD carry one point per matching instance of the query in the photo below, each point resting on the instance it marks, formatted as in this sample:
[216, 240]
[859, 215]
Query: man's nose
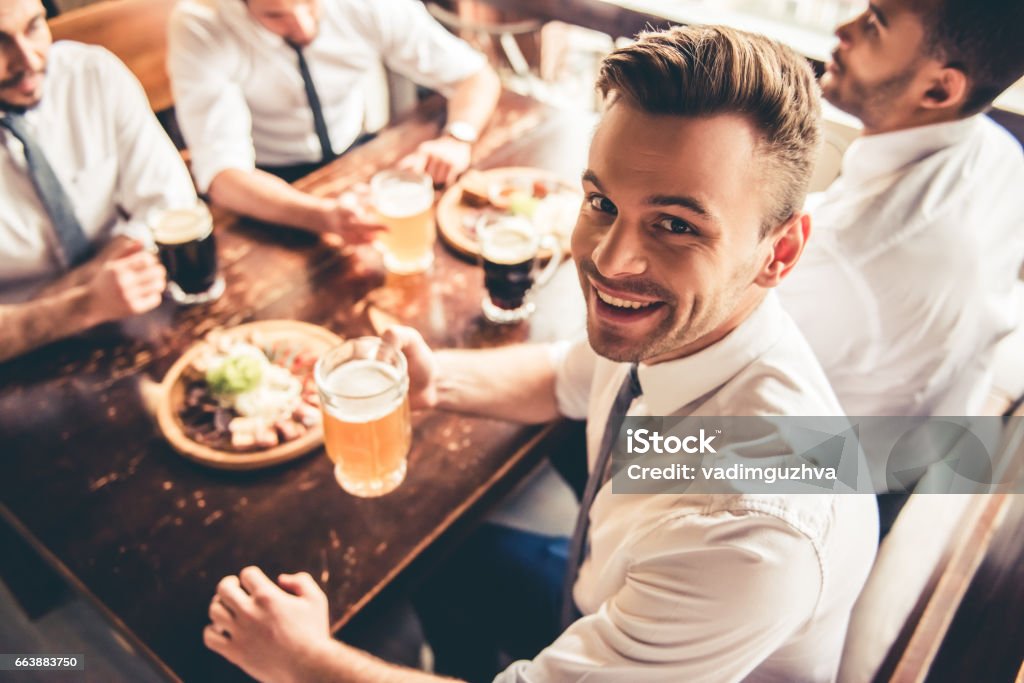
[620, 253]
[304, 25]
[845, 32]
[23, 55]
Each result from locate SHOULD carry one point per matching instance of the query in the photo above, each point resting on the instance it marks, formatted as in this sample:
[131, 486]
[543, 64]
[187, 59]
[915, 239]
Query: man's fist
[422, 364]
[129, 282]
[443, 159]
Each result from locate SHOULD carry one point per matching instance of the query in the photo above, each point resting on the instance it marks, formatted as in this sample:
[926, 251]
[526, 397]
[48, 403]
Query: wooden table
[92, 486]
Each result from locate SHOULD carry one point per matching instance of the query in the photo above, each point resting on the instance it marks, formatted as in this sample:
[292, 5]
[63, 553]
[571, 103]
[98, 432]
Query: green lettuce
[237, 374]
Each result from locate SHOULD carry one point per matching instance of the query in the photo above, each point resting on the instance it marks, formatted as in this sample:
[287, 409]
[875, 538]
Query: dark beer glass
[188, 250]
[509, 247]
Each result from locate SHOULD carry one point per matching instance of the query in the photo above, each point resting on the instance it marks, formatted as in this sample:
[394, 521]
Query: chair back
[135, 31]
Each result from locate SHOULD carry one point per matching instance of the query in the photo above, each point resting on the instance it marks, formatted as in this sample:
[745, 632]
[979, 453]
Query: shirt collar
[236, 14]
[873, 156]
[669, 386]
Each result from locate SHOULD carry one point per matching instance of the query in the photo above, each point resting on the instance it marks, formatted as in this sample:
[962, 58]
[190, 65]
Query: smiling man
[691, 216]
[83, 163]
[267, 91]
[909, 282]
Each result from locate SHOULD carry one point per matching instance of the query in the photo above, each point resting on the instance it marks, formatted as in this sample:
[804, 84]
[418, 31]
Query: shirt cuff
[573, 362]
[135, 229]
[515, 673]
[206, 167]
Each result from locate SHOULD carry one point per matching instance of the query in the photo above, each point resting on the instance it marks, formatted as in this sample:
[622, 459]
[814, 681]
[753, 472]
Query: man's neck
[922, 118]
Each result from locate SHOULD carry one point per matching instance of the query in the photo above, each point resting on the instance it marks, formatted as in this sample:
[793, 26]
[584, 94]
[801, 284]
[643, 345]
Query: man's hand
[422, 365]
[273, 632]
[129, 281]
[443, 159]
[347, 223]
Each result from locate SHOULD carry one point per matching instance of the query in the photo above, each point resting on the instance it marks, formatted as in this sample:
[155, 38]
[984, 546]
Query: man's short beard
[13, 83]
[871, 105]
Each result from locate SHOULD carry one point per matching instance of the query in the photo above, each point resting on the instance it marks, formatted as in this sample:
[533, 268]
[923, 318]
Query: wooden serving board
[171, 397]
[456, 220]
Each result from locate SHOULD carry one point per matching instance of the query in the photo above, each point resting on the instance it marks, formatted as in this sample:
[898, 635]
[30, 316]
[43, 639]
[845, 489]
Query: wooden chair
[135, 31]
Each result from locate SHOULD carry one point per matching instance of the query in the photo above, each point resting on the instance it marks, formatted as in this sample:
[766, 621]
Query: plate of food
[245, 397]
[550, 202]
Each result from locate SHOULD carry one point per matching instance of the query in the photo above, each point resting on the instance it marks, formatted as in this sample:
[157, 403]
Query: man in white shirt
[695, 180]
[909, 280]
[83, 162]
[268, 90]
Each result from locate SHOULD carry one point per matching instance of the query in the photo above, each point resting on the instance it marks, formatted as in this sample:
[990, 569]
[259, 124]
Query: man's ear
[948, 89]
[787, 244]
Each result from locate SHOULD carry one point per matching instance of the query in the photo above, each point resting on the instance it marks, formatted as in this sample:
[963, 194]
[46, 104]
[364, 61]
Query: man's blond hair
[699, 71]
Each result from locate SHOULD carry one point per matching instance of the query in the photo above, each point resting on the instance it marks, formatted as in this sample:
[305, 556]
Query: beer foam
[508, 244]
[177, 226]
[399, 199]
[359, 390]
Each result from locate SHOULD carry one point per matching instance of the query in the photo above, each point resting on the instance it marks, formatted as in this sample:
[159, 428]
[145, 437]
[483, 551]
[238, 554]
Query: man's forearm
[474, 98]
[512, 383]
[24, 327]
[85, 272]
[268, 198]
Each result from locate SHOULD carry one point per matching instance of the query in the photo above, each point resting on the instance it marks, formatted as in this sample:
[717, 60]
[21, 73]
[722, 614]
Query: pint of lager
[364, 387]
[404, 202]
[509, 246]
[184, 239]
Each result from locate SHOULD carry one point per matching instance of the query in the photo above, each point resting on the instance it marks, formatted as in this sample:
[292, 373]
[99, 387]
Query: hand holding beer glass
[364, 393]
[188, 251]
[404, 201]
[510, 246]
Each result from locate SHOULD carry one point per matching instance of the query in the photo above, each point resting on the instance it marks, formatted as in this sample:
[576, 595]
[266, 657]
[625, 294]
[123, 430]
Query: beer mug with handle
[187, 247]
[364, 393]
[509, 247]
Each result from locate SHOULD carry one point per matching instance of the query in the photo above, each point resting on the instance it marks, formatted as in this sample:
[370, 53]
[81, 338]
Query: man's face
[878, 71]
[24, 44]
[668, 240]
[297, 21]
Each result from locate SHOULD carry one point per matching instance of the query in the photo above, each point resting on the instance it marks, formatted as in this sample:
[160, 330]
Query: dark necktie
[629, 390]
[314, 104]
[74, 244]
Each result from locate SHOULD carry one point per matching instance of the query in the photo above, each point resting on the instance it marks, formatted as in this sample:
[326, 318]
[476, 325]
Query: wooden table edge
[7, 517]
[517, 458]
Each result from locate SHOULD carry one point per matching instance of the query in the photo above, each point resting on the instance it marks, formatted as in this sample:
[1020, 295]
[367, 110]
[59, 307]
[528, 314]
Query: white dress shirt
[240, 99]
[107, 149]
[908, 279]
[711, 588]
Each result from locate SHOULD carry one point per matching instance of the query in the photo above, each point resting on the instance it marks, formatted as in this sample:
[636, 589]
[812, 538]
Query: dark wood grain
[147, 534]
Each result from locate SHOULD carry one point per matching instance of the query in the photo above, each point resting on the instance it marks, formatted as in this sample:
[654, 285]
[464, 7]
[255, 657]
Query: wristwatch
[462, 131]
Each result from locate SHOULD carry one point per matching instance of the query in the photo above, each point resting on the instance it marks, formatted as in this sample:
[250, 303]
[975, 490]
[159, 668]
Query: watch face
[460, 130]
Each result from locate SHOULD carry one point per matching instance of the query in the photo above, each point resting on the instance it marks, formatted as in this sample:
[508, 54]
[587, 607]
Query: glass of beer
[509, 247]
[364, 393]
[185, 242]
[404, 202]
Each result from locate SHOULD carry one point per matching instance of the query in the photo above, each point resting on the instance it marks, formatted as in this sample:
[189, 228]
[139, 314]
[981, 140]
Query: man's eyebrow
[591, 177]
[5, 36]
[879, 14]
[691, 203]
